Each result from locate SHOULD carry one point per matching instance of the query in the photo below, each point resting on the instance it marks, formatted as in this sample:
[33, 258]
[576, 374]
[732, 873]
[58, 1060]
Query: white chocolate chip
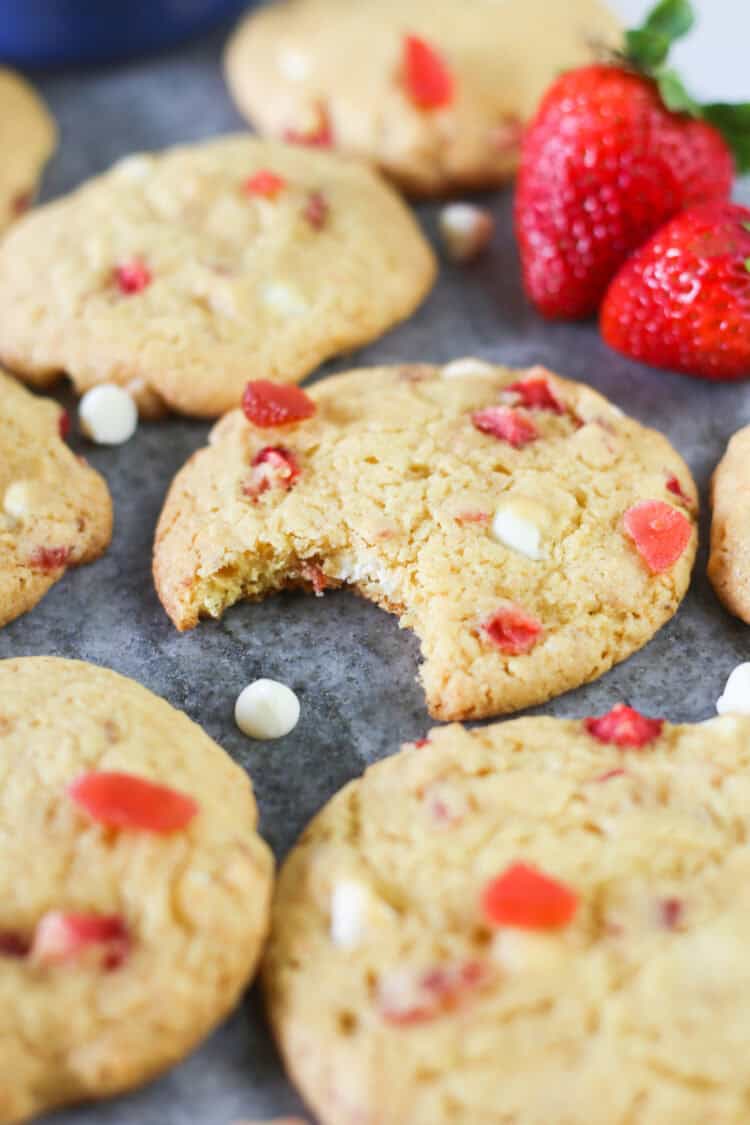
[523, 952]
[283, 299]
[517, 525]
[348, 903]
[736, 697]
[293, 64]
[108, 415]
[266, 709]
[467, 368]
[465, 230]
[16, 500]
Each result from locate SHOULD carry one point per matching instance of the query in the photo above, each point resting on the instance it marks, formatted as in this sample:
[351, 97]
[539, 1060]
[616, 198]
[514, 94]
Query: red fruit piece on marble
[429, 83]
[506, 425]
[121, 800]
[528, 899]
[660, 533]
[512, 630]
[265, 183]
[133, 277]
[49, 559]
[62, 937]
[624, 727]
[268, 404]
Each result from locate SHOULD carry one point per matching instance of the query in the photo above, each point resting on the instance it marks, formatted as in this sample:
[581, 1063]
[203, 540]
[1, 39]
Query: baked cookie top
[528, 532]
[433, 91]
[729, 563]
[28, 136]
[539, 921]
[131, 917]
[55, 511]
[182, 274]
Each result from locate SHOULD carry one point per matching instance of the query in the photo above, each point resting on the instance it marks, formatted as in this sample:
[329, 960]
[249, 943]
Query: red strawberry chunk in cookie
[536, 393]
[512, 630]
[316, 210]
[660, 533]
[49, 559]
[121, 800]
[63, 425]
[416, 997]
[133, 277]
[624, 727]
[318, 134]
[268, 404]
[506, 425]
[265, 183]
[528, 900]
[273, 467]
[674, 486]
[13, 944]
[61, 937]
[429, 82]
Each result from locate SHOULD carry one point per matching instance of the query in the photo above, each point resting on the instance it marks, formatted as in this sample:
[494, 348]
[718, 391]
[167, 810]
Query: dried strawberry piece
[660, 533]
[265, 183]
[22, 202]
[624, 727]
[512, 630]
[528, 899]
[13, 944]
[312, 573]
[268, 404]
[670, 912]
[133, 277]
[61, 937]
[429, 82]
[407, 998]
[63, 425]
[610, 775]
[49, 559]
[273, 467]
[536, 393]
[121, 800]
[473, 517]
[319, 134]
[506, 425]
[421, 742]
[316, 210]
[674, 486]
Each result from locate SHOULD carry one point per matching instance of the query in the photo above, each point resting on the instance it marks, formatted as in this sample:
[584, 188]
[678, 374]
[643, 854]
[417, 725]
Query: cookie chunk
[536, 922]
[183, 274]
[134, 890]
[27, 140]
[55, 511]
[436, 92]
[522, 526]
[729, 563]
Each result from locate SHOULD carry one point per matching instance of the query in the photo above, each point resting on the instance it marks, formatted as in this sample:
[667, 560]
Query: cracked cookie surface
[189, 909]
[395, 997]
[729, 563]
[335, 72]
[487, 507]
[55, 511]
[182, 274]
[27, 140]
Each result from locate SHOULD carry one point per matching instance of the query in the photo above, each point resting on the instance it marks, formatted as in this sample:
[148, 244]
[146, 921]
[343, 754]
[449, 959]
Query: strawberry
[268, 404]
[616, 149]
[528, 899]
[429, 83]
[683, 301]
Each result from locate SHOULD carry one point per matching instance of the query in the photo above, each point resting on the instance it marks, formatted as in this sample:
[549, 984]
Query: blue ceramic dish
[54, 32]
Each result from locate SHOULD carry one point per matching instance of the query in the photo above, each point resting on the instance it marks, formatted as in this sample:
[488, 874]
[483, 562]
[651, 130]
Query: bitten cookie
[55, 511]
[436, 92]
[528, 532]
[27, 140]
[181, 275]
[539, 922]
[729, 563]
[134, 889]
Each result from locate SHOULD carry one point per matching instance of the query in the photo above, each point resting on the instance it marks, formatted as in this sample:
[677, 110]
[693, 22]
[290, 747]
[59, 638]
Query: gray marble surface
[352, 668]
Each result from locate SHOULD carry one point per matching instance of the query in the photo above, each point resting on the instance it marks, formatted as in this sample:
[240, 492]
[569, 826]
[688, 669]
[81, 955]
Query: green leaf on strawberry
[648, 46]
[733, 122]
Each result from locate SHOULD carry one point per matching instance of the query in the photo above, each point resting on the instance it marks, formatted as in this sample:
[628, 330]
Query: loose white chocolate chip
[465, 230]
[283, 299]
[266, 709]
[736, 697]
[348, 903]
[467, 368]
[517, 525]
[108, 415]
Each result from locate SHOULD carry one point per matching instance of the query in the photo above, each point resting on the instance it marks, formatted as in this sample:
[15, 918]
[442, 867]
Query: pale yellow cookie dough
[291, 62]
[28, 136]
[55, 511]
[194, 903]
[729, 563]
[397, 495]
[240, 286]
[636, 1013]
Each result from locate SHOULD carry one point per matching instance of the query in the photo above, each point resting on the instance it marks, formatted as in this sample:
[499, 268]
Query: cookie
[539, 922]
[134, 887]
[729, 562]
[181, 275]
[27, 139]
[528, 532]
[55, 511]
[435, 92]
